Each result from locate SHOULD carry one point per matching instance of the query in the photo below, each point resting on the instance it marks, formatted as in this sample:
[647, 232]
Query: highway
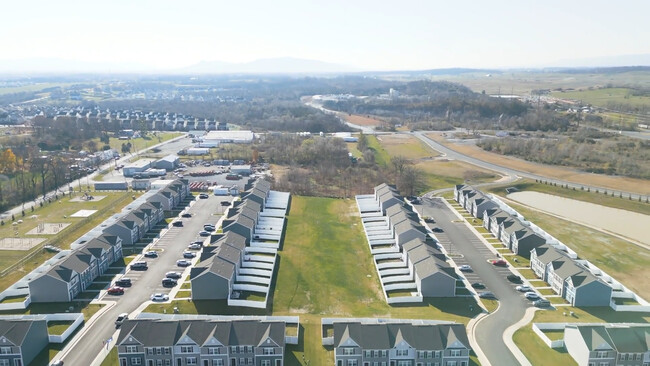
[466, 248]
[88, 343]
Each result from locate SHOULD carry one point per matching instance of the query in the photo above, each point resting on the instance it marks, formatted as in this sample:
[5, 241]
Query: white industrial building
[214, 138]
[136, 167]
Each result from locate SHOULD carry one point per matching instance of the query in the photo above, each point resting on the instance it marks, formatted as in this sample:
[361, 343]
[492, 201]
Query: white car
[159, 297]
[465, 268]
[121, 318]
[524, 288]
[532, 295]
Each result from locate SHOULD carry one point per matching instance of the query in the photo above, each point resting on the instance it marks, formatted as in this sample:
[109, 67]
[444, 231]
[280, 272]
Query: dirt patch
[20, 243]
[87, 199]
[615, 183]
[361, 120]
[626, 223]
[47, 228]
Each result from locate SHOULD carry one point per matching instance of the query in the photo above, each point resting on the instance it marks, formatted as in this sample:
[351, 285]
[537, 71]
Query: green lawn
[325, 270]
[114, 202]
[57, 307]
[528, 274]
[593, 197]
[381, 156]
[546, 291]
[111, 358]
[538, 353]
[11, 299]
[57, 327]
[140, 142]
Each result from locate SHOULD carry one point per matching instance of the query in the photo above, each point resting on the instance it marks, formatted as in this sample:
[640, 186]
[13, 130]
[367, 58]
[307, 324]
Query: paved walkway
[507, 336]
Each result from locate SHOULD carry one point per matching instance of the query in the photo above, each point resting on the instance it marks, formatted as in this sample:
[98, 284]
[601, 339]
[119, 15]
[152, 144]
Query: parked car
[183, 263]
[429, 220]
[531, 295]
[57, 363]
[195, 246]
[523, 288]
[169, 282]
[173, 275]
[486, 295]
[478, 285]
[465, 268]
[189, 254]
[542, 303]
[225, 203]
[514, 278]
[177, 223]
[123, 282]
[204, 233]
[121, 318]
[139, 265]
[186, 215]
[151, 254]
[159, 297]
[115, 290]
[209, 228]
[437, 230]
[500, 263]
[203, 196]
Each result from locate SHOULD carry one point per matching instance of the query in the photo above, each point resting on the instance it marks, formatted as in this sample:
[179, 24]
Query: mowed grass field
[325, 270]
[438, 174]
[602, 96]
[621, 259]
[140, 142]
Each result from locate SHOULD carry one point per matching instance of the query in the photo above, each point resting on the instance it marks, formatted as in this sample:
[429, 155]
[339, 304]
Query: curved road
[505, 170]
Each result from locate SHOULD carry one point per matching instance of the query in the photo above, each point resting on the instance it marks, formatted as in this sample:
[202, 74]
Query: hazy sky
[371, 35]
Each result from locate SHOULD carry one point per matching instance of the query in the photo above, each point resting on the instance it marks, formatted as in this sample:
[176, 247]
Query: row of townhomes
[576, 281]
[94, 252]
[154, 339]
[239, 264]
[409, 262]
[396, 342]
[608, 344]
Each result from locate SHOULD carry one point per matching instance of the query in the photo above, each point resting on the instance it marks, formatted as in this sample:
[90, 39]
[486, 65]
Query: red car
[500, 263]
[115, 291]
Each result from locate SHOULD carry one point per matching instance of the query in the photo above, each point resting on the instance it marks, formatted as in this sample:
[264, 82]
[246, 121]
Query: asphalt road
[466, 248]
[88, 343]
[505, 170]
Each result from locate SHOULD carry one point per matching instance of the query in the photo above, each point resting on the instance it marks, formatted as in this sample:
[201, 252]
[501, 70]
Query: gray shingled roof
[15, 330]
[152, 332]
[387, 335]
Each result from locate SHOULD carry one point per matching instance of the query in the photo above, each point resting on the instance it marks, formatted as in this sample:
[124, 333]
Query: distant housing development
[608, 344]
[397, 342]
[409, 262]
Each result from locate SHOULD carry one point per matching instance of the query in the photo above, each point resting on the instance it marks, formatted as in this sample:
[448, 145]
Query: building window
[149, 350]
[402, 352]
[136, 361]
[268, 351]
[266, 363]
[159, 363]
[158, 350]
[168, 350]
[4, 362]
[131, 349]
[601, 354]
[384, 353]
[168, 362]
[190, 361]
[213, 350]
[367, 353]
[375, 353]
[451, 363]
[352, 363]
[438, 354]
[603, 364]
[187, 349]
[233, 349]
[404, 363]
[348, 351]
[5, 350]
[455, 353]
[421, 354]
[249, 349]
[219, 362]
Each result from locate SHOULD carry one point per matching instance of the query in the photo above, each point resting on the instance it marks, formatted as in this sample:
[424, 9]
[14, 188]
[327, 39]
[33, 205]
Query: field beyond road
[571, 175]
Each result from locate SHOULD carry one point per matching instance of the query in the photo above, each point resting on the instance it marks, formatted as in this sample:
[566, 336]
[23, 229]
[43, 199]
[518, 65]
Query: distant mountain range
[283, 65]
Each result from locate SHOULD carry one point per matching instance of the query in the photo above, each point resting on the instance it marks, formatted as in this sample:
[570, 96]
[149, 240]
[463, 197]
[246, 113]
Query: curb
[510, 331]
[86, 327]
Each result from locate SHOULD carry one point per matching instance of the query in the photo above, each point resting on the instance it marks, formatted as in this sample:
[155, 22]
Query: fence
[539, 329]
[59, 239]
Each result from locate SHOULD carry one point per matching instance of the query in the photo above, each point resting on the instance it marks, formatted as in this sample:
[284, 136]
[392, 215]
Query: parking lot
[170, 248]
